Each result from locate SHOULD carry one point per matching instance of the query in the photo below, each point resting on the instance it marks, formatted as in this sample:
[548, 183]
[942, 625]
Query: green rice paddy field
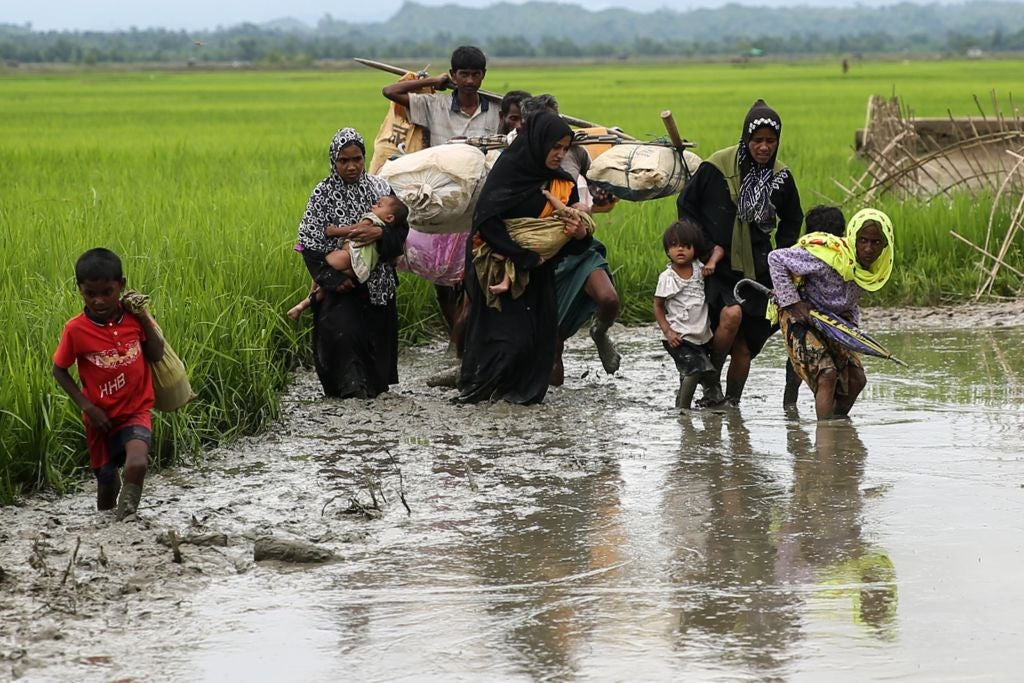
[198, 180]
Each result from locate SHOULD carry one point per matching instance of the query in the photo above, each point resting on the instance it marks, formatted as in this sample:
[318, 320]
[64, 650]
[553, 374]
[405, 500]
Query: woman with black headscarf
[510, 351]
[740, 196]
[355, 326]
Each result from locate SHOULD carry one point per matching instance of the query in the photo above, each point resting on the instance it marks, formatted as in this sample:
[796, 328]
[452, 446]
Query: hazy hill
[550, 30]
[536, 20]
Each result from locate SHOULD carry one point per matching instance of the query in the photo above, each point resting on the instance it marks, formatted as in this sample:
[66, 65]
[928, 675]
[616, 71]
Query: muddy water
[600, 536]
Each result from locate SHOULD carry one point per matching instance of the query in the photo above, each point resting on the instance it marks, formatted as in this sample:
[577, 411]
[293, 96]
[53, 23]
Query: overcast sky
[107, 15]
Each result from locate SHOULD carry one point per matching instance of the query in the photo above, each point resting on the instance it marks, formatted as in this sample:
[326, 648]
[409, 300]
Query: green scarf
[840, 253]
[741, 253]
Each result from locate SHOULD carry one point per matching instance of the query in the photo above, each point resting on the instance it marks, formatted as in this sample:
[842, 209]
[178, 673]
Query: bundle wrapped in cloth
[397, 135]
[440, 185]
[170, 381]
[638, 172]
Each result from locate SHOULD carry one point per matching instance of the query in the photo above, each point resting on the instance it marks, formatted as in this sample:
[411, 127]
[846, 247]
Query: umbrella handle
[752, 283]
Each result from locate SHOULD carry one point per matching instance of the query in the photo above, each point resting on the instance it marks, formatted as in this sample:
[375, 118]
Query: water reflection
[570, 541]
[820, 541]
[724, 505]
[955, 367]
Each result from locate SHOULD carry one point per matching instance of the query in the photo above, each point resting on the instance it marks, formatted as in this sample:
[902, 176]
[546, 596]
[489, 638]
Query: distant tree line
[419, 32]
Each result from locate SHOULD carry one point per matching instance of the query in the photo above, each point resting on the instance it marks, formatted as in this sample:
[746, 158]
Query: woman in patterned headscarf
[740, 196]
[355, 327]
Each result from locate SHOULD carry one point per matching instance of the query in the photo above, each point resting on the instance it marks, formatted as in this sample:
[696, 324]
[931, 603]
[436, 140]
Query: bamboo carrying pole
[492, 96]
[677, 141]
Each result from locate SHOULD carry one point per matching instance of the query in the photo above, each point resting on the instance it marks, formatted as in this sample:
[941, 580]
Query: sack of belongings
[440, 186]
[170, 380]
[397, 135]
[637, 172]
[440, 258]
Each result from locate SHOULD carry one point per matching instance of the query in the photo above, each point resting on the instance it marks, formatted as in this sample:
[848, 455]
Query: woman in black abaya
[510, 351]
[355, 326]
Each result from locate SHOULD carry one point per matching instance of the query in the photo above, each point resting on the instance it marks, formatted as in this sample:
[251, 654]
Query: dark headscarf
[520, 171]
[754, 202]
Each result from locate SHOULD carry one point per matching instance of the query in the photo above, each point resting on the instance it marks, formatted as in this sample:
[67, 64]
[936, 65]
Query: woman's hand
[800, 311]
[337, 231]
[717, 252]
[362, 234]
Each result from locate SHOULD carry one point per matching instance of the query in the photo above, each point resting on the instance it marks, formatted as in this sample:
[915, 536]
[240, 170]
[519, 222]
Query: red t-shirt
[114, 373]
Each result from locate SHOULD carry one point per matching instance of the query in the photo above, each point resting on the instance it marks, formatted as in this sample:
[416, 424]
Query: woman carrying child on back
[682, 311]
[827, 272]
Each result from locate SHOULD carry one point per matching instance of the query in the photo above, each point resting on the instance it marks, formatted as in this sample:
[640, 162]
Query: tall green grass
[198, 180]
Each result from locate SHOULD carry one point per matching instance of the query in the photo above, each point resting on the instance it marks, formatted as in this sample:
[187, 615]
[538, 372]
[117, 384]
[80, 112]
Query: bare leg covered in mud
[600, 289]
[828, 404]
[135, 466]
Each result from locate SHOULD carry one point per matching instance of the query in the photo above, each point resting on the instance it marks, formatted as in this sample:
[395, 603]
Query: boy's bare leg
[339, 259]
[739, 369]
[729, 321]
[295, 312]
[135, 465]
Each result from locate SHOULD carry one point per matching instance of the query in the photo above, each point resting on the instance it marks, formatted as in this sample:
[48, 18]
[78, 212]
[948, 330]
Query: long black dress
[510, 352]
[355, 341]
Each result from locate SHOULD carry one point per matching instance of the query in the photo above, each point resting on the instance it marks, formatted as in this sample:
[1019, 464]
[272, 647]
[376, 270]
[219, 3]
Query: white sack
[639, 172]
[440, 185]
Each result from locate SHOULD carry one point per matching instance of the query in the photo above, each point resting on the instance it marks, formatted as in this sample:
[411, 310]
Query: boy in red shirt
[112, 349]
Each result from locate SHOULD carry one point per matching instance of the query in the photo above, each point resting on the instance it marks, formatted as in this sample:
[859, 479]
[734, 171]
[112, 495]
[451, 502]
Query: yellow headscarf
[841, 252]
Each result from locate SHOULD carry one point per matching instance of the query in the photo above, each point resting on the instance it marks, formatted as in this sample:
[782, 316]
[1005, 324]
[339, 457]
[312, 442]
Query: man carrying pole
[463, 113]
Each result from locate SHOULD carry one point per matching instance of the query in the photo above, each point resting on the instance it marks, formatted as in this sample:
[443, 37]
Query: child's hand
[97, 418]
[575, 227]
[673, 338]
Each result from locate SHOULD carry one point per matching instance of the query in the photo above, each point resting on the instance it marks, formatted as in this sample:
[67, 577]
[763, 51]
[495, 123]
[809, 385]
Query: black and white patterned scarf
[335, 202]
[754, 204]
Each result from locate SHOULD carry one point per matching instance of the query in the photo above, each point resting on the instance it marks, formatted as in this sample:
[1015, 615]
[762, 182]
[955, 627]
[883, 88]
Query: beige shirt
[440, 114]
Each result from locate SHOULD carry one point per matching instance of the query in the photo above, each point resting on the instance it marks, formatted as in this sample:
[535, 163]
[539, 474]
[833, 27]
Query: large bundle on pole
[638, 172]
[440, 185]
